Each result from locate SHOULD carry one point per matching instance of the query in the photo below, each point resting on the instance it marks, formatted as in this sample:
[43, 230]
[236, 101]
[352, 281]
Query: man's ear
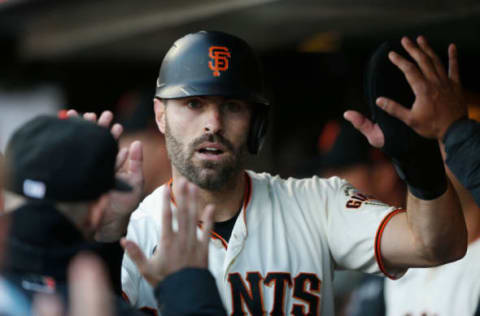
[159, 108]
[96, 210]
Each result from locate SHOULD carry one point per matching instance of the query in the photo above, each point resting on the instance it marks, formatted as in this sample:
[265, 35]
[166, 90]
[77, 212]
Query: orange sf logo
[220, 56]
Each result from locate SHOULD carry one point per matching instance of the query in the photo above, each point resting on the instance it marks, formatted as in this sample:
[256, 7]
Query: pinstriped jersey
[288, 239]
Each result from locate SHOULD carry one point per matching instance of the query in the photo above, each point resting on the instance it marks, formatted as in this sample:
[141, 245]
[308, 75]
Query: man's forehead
[214, 98]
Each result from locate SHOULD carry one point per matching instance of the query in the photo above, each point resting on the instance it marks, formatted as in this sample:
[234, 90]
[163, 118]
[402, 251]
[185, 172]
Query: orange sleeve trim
[125, 297]
[378, 238]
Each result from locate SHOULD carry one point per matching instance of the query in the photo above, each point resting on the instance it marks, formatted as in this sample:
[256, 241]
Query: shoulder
[313, 184]
[150, 204]
[146, 219]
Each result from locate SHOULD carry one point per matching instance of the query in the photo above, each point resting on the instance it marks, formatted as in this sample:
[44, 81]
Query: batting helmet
[211, 63]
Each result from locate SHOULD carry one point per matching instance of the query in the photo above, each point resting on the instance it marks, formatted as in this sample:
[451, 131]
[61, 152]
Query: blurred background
[96, 55]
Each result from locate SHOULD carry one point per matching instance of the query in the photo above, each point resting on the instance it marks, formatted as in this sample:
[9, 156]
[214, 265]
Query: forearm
[437, 227]
[114, 230]
[429, 233]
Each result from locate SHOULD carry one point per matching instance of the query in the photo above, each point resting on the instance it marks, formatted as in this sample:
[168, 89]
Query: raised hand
[438, 95]
[129, 167]
[176, 249]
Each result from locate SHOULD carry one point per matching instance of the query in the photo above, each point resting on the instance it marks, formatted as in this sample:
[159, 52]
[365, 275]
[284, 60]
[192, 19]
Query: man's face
[206, 137]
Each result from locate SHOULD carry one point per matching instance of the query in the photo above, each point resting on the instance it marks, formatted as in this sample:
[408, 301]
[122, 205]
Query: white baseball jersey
[289, 237]
[450, 289]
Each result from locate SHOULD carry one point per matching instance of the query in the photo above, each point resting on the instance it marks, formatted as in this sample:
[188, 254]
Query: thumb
[371, 131]
[135, 253]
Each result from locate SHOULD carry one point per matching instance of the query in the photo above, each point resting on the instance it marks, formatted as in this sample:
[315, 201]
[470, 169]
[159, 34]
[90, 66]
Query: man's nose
[213, 120]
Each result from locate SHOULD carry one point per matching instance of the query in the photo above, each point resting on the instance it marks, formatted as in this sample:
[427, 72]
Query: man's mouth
[210, 150]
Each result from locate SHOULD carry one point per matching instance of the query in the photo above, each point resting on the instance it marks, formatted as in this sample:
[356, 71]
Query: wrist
[113, 231]
[448, 129]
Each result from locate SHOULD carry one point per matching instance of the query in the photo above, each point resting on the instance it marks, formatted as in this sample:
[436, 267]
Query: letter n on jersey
[303, 290]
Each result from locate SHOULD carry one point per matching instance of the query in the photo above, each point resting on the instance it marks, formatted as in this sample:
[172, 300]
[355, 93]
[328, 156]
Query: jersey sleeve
[354, 225]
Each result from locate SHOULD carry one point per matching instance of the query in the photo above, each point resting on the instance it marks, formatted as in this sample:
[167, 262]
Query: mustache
[213, 138]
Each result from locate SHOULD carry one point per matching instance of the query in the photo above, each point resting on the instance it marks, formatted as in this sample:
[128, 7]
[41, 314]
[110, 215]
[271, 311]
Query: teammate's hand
[438, 96]
[370, 130]
[176, 249]
[89, 287]
[129, 166]
[89, 291]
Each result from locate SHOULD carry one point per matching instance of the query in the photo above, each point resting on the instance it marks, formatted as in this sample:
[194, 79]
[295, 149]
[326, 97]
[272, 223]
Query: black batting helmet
[211, 63]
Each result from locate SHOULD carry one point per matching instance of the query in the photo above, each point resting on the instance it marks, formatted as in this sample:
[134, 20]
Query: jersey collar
[246, 200]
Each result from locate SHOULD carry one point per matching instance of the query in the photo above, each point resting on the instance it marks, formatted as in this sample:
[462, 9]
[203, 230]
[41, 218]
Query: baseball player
[275, 242]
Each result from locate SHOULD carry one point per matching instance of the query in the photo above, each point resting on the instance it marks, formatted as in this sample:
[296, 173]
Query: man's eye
[194, 104]
[233, 106]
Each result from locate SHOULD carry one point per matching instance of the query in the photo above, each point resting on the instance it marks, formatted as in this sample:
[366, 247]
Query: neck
[228, 200]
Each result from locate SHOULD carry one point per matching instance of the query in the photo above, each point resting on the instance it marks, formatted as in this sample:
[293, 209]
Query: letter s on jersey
[304, 289]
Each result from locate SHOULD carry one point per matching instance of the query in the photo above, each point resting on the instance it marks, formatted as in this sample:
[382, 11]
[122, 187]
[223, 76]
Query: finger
[105, 119]
[370, 130]
[414, 78]
[135, 254]
[182, 213]
[47, 305]
[135, 163]
[72, 113]
[167, 231]
[192, 216]
[453, 68]
[207, 219]
[90, 116]
[436, 61]
[89, 289]
[393, 108]
[359, 121]
[116, 130]
[423, 60]
[121, 158]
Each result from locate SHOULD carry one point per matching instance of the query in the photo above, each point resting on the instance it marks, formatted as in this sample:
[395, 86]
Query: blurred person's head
[68, 164]
[135, 112]
[345, 153]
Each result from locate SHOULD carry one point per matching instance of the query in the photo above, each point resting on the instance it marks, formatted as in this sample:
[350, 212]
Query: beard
[208, 175]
